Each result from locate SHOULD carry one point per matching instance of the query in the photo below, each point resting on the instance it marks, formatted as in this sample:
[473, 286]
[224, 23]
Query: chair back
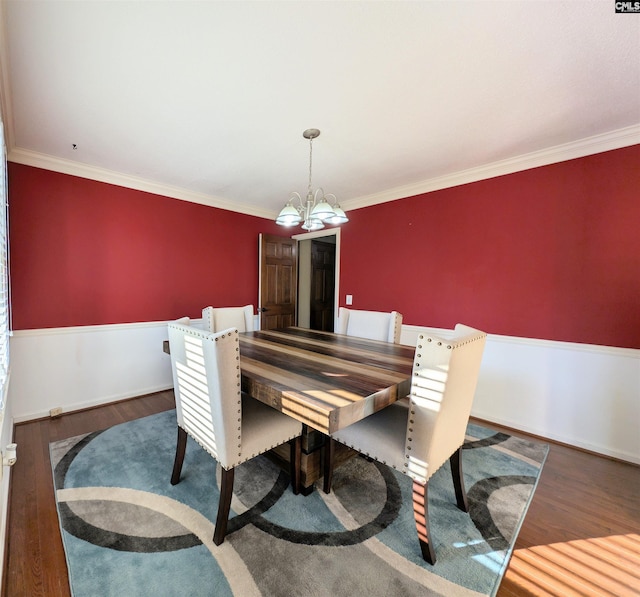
[443, 383]
[373, 325]
[216, 319]
[206, 381]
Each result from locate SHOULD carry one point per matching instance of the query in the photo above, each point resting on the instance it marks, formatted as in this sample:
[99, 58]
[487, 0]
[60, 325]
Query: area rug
[128, 532]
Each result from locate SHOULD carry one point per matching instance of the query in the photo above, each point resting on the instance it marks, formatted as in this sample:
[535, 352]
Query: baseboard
[103, 400]
[543, 435]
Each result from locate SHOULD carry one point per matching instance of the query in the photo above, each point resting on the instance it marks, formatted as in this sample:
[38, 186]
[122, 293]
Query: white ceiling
[207, 101]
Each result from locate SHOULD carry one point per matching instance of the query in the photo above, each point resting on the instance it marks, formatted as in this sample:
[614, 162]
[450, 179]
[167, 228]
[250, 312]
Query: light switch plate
[349, 299]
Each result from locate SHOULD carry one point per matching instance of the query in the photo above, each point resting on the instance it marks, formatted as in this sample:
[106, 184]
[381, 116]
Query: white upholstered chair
[417, 440]
[215, 319]
[210, 407]
[373, 325]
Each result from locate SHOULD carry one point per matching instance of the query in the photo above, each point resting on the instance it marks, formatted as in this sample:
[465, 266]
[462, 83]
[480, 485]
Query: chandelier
[315, 210]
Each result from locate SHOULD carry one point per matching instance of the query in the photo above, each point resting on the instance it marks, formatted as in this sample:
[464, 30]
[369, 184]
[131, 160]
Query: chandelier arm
[296, 195]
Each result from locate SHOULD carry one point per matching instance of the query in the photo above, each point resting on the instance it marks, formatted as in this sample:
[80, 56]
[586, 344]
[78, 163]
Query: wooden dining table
[325, 380]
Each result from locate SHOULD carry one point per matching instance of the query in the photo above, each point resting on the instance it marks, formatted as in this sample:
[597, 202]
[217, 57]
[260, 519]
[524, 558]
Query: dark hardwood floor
[581, 535]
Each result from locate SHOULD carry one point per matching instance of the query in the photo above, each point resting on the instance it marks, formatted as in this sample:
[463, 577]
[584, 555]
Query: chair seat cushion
[263, 428]
[380, 436]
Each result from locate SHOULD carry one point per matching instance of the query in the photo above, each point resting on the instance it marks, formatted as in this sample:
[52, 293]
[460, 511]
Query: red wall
[552, 252]
[85, 252]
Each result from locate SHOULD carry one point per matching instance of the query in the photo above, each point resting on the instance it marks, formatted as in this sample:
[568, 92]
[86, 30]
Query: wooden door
[278, 279]
[323, 264]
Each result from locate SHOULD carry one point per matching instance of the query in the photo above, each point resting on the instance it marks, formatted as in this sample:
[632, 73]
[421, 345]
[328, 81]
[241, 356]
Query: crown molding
[617, 139]
[48, 162]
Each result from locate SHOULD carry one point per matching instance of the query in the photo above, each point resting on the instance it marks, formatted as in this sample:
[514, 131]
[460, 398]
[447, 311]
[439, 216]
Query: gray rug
[128, 532]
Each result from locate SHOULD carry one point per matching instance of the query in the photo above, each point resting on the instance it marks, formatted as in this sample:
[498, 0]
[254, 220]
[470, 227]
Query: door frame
[319, 234]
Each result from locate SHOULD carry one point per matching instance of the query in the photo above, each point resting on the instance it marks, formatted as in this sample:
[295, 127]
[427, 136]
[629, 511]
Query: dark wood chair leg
[329, 451]
[295, 460]
[226, 492]
[181, 447]
[458, 480]
[421, 515]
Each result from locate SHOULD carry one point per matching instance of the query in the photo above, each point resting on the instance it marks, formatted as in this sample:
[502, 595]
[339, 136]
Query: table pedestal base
[312, 461]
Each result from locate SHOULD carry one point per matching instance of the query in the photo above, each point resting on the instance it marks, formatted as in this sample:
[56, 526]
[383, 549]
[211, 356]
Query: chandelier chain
[309, 189]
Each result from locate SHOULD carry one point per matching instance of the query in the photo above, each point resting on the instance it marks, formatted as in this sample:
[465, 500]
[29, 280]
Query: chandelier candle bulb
[316, 209]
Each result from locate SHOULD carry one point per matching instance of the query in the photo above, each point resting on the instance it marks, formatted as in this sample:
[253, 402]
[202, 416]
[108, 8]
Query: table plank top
[325, 380]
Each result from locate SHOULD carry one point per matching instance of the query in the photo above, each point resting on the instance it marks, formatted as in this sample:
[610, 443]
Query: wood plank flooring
[581, 535]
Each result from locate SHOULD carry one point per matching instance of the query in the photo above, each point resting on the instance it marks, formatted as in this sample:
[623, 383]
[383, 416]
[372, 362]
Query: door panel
[278, 279]
[323, 262]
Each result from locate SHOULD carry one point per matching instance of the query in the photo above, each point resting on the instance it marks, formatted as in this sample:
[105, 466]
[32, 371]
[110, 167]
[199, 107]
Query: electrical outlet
[55, 412]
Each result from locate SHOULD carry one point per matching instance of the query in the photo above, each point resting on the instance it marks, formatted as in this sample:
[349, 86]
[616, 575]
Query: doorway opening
[318, 276]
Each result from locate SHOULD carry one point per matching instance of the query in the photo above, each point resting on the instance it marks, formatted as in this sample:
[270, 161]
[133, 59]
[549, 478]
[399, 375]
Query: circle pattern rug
[128, 531]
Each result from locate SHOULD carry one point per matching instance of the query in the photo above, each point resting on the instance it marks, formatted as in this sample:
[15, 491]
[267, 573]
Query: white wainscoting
[579, 394]
[583, 395]
[79, 367]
